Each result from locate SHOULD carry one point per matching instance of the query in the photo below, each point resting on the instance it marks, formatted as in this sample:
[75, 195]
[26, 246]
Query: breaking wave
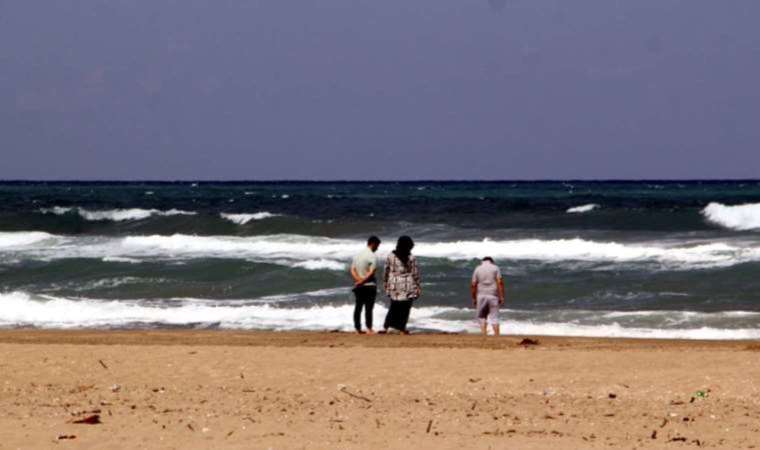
[242, 219]
[740, 217]
[116, 215]
[22, 238]
[583, 208]
[320, 264]
[332, 254]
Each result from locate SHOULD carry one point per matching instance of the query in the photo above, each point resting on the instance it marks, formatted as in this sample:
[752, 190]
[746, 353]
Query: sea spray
[739, 217]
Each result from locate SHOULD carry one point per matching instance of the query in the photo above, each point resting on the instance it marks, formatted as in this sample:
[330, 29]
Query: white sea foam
[616, 330]
[116, 215]
[708, 254]
[583, 208]
[57, 210]
[242, 219]
[337, 293]
[738, 217]
[332, 254]
[289, 247]
[320, 264]
[22, 309]
[10, 240]
[121, 259]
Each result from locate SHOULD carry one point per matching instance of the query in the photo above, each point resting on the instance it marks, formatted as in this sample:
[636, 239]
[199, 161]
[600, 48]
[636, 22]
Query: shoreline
[349, 339]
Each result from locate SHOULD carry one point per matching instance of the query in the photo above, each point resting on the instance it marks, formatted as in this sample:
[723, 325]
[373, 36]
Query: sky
[379, 90]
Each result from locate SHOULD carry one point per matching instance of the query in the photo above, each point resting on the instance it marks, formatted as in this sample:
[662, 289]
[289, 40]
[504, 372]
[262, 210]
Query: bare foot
[360, 332]
[370, 331]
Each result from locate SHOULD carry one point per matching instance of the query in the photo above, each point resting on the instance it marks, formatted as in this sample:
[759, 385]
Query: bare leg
[484, 328]
[496, 329]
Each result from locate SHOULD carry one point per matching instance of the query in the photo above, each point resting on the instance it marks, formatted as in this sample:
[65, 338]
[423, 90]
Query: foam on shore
[22, 309]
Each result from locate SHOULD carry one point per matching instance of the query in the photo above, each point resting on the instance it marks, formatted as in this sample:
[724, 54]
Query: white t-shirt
[364, 262]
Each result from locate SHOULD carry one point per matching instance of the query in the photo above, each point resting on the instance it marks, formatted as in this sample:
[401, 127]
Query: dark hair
[373, 240]
[404, 248]
[488, 258]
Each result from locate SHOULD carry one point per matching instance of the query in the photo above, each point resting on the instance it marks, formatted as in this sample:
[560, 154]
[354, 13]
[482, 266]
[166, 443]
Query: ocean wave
[300, 248]
[332, 254]
[320, 264]
[739, 217]
[14, 239]
[674, 256]
[120, 259]
[288, 247]
[242, 219]
[23, 309]
[116, 215]
[583, 208]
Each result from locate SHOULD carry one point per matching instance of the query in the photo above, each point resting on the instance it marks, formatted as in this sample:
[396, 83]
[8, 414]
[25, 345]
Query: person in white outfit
[487, 289]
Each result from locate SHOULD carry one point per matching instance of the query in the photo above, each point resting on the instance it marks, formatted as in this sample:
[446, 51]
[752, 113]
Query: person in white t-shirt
[364, 271]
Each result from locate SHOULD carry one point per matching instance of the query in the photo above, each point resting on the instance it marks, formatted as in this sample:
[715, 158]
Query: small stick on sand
[430, 425]
[360, 397]
[103, 364]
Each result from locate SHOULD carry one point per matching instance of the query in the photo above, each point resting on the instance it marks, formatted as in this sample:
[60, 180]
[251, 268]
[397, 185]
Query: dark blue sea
[637, 259]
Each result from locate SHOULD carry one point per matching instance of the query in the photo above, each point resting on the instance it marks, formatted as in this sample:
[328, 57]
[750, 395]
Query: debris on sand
[528, 341]
[90, 412]
[89, 420]
[80, 389]
[66, 436]
[351, 394]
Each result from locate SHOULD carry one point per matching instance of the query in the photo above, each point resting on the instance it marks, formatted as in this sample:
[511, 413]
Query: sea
[649, 259]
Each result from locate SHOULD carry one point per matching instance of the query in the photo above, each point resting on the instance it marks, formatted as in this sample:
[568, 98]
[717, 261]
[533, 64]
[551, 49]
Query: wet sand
[241, 390]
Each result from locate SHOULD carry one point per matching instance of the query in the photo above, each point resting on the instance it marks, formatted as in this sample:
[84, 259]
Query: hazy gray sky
[367, 89]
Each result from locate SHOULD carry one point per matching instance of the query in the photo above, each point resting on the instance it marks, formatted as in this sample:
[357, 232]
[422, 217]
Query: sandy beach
[217, 389]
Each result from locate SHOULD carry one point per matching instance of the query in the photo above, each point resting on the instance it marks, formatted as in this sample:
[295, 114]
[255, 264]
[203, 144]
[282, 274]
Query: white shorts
[488, 309]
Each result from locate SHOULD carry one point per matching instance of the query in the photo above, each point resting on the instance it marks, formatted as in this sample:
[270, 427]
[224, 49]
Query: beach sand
[257, 390]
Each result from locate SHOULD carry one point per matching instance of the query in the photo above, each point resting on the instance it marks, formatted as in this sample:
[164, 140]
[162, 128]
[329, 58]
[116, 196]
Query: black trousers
[398, 315]
[365, 298]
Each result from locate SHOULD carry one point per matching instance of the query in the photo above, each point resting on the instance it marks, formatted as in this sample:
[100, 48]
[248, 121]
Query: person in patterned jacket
[402, 284]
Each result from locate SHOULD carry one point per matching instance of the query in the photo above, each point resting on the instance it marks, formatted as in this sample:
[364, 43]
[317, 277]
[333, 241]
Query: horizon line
[442, 180]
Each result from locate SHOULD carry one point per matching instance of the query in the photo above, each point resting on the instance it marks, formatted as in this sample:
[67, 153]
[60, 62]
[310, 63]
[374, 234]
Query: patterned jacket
[402, 282]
